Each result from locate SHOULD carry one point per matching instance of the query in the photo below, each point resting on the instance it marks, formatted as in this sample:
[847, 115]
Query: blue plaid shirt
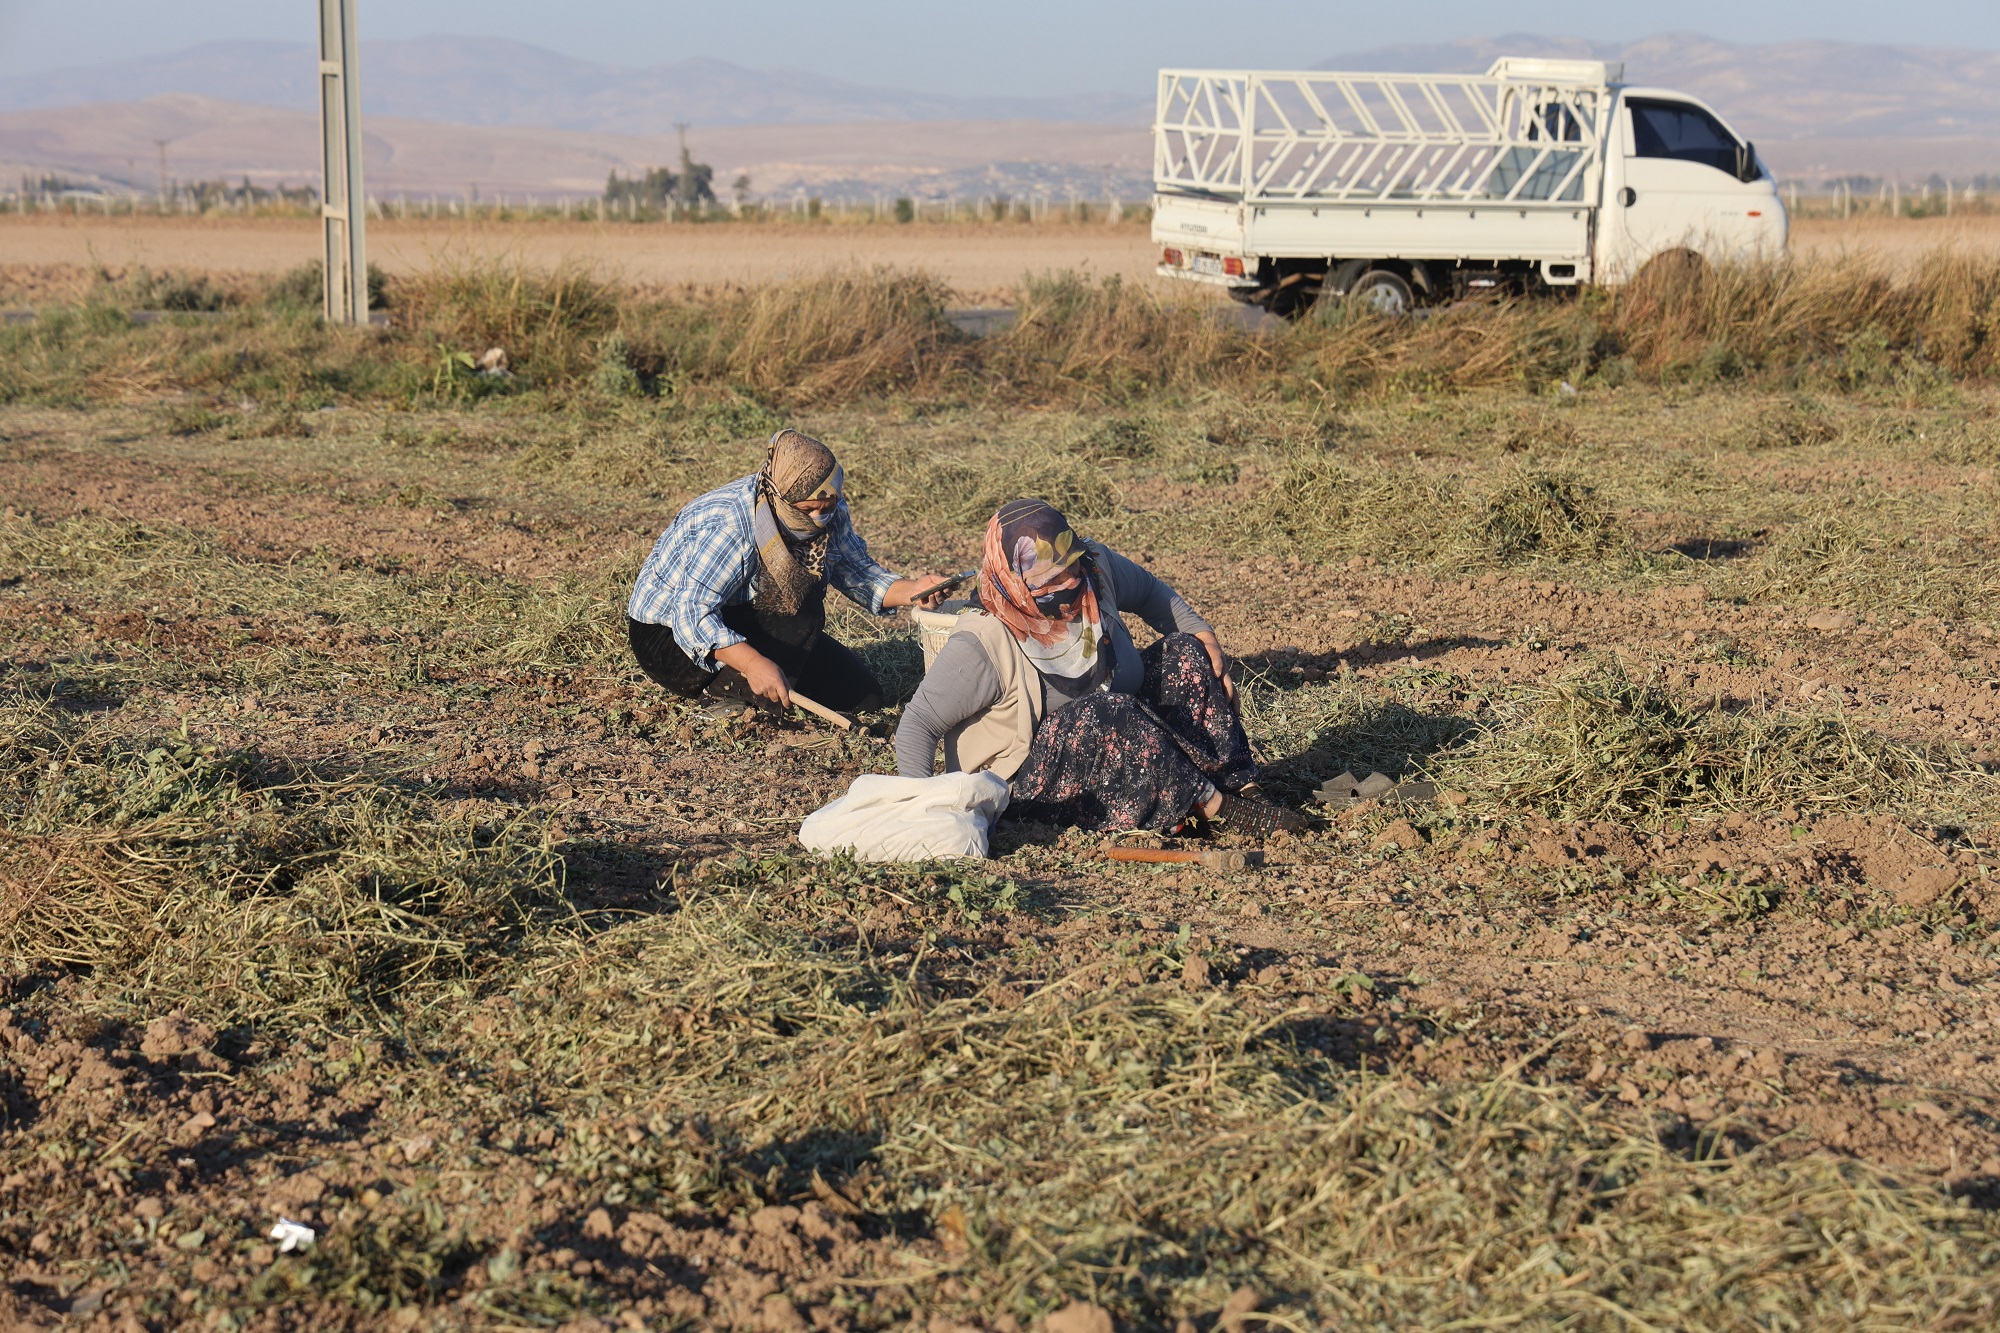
[707, 559]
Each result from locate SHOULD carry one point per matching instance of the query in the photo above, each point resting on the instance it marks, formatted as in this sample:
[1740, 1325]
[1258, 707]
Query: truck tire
[1383, 291]
[1676, 270]
[1379, 291]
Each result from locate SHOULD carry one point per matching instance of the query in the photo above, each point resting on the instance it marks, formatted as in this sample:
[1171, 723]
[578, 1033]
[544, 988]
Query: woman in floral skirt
[1042, 685]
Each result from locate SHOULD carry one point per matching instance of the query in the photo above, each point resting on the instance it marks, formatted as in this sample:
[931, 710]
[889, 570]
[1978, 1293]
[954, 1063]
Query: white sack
[885, 818]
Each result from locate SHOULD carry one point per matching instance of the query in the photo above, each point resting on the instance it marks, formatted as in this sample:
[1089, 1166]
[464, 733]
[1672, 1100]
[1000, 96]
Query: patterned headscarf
[791, 544]
[1036, 579]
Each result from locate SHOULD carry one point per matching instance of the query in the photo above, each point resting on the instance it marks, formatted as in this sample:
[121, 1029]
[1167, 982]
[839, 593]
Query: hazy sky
[1018, 47]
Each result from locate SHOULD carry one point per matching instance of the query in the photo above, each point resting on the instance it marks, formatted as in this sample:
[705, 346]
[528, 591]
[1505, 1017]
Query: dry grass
[1074, 337]
[462, 619]
[830, 338]
[855, 334]
[1812, 316]
[549, 323]
[1141, 1146]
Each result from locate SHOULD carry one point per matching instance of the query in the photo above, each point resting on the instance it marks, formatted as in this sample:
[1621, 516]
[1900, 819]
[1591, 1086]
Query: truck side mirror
[1746, 162]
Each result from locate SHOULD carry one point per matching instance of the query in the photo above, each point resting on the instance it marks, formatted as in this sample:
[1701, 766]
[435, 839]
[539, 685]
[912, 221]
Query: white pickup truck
[1409, 189]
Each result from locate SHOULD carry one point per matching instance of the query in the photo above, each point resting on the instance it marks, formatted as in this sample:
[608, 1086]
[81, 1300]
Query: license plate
[1208, 264]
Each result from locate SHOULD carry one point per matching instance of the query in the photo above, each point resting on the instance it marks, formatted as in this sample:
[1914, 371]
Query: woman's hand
[903, 592]
[1219, 661]
[765, 678]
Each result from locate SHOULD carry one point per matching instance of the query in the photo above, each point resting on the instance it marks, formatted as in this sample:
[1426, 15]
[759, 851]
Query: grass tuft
[549, 322]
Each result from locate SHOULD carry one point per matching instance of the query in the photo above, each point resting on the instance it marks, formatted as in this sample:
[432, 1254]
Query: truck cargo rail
[1528, 134]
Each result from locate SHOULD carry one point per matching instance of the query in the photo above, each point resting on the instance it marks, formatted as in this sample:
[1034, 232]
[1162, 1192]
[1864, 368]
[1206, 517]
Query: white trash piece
[292, 1235]
[883, 818]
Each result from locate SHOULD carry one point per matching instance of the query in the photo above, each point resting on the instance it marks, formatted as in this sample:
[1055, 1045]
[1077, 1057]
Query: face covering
[790, 515]
[798, 469]
[791, 544]
[1036, 579]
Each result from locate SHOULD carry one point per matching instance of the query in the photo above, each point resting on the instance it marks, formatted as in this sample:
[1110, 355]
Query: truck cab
[1679, 179]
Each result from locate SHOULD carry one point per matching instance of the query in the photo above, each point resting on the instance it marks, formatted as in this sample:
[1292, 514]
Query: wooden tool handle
[1213, 859]
[821, 710]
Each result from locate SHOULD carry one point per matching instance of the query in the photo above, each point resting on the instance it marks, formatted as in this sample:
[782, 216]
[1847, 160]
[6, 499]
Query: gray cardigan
[962, 683]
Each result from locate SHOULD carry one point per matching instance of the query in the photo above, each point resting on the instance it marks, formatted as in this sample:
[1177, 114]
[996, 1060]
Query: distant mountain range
[114, 144]
[447, 112]
[494, 81]
[1785, 90]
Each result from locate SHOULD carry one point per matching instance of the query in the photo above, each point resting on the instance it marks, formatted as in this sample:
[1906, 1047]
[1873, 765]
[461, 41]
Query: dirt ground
[973, 259]
[49, 258]
[1863, 1030]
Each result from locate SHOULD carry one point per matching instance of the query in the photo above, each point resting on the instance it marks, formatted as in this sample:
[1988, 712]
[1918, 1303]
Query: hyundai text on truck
[1410, 189]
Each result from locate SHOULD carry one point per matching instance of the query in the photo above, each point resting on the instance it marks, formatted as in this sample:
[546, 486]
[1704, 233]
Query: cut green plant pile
[228, 887]
[1597, 744]
[1528, 513]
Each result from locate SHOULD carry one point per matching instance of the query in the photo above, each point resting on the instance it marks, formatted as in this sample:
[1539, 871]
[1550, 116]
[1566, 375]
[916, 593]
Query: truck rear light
[1233, 267]
[1173, 258]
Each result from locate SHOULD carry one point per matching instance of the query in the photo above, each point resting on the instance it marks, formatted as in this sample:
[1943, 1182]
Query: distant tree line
[215, 193]
[692, 185]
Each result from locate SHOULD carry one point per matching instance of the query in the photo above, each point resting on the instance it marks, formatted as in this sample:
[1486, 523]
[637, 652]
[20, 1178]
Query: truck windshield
[1683, 132]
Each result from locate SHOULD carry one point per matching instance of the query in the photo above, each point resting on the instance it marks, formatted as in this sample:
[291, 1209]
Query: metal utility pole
[343, 206]
[161, 144]
[684, 188]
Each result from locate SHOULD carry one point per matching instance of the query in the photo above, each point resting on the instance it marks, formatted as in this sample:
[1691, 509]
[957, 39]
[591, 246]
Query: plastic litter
[292, 1235]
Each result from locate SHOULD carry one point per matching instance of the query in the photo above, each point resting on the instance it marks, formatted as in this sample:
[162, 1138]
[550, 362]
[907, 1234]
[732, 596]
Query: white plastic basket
[934, 627]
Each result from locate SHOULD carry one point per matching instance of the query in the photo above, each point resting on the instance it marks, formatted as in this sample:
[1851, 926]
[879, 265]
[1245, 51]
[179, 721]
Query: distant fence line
[1848, 197]
[1869, 196]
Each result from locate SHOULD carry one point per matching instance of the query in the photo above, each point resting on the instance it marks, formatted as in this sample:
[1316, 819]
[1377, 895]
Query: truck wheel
[1383, 291]
[1668, 272]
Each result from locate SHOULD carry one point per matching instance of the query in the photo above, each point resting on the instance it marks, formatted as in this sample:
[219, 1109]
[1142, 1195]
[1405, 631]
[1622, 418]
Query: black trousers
[824, 669]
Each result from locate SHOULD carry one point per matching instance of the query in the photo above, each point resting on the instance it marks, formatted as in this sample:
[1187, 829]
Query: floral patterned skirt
[1119, 761]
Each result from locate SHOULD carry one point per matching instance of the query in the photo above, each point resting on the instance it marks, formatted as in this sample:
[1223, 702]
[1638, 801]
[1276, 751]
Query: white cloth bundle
[885, 818]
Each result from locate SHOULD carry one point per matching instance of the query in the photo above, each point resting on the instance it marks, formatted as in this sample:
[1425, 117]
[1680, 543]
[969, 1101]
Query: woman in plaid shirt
[736, 586]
